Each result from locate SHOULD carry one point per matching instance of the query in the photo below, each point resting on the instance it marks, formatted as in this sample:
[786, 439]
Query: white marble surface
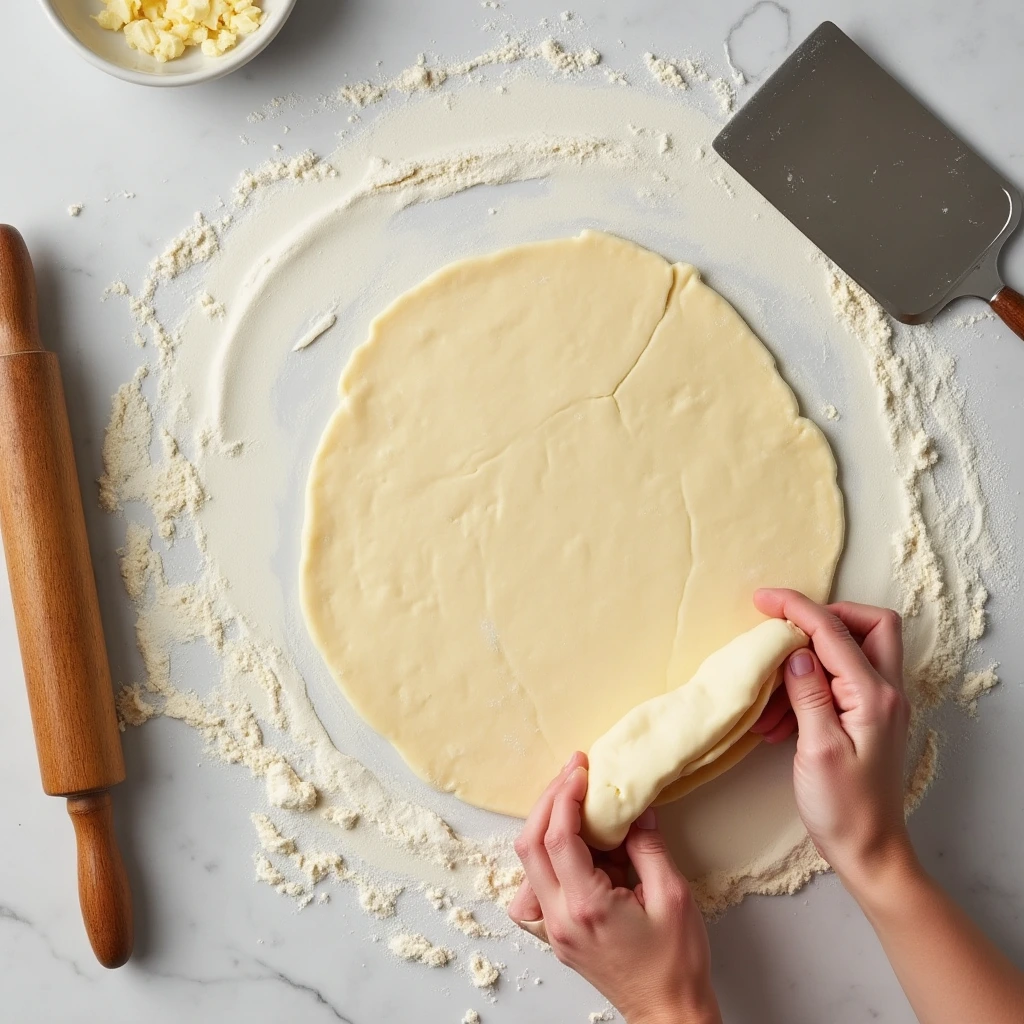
[211, 944]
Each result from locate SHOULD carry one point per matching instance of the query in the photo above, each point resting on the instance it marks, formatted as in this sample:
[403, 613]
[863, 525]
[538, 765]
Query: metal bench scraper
[876, 181]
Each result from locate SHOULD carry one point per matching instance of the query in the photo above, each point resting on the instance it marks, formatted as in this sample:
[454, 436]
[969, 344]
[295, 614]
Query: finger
[525, 906]
[832, 640]
[663, 887]
[530, 844]
[615, 864]
[881, 630]
[774, 711]
[617, 874]
[811, 697]
[569, 855]
[542, 808]
[783, 730]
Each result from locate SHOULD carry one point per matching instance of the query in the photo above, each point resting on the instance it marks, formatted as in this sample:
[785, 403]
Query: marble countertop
[212, 946]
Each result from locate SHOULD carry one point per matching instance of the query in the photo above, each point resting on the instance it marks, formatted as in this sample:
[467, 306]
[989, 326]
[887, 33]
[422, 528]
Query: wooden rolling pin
[55, 605]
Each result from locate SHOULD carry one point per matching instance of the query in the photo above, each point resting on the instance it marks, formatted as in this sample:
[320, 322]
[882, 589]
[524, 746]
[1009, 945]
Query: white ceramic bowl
[110, 51]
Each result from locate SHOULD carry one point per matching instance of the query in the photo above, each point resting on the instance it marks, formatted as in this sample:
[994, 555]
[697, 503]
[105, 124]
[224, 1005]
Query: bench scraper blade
[876, 181]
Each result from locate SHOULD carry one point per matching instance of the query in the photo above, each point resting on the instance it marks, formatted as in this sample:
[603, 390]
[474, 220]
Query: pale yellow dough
[684, 737]
[555, 478]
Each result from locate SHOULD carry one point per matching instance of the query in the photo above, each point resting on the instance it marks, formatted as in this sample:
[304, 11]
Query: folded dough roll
[675, 742]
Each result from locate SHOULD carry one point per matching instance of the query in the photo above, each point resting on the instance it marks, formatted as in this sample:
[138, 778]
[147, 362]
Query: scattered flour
[379, 900]
[267, 873]
[665, 72]
[196, 244]
[306, 166]
[270, 838]
[285, 788]
[437, 897]
[923, 774]
[482, 972]
[565, 61]
[976, 685]
[171, 486]
[421, 77]
[471, 1017]
[75, 209]
[415, 947]
[316, 865]
[343, 817]
[722, 182]
[725, 94]
[914, 387]
[601, 1015]
[831, 412]
[464, 920]
[210, 306]
[321, 864]
[273, 108]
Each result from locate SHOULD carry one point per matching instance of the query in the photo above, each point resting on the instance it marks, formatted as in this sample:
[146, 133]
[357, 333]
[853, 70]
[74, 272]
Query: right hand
[848, 769]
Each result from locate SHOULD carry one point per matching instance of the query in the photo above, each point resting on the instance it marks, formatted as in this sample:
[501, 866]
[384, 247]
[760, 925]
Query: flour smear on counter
[209, 444]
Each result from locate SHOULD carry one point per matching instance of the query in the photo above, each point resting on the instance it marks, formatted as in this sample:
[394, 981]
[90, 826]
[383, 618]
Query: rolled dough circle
[556, 476]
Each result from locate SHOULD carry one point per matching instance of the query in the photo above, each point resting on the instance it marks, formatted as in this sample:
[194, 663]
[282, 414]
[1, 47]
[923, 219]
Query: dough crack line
[613, 395]
[672, 289]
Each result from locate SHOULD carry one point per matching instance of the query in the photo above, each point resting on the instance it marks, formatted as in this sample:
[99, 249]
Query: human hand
[645, 949]
[851, 746]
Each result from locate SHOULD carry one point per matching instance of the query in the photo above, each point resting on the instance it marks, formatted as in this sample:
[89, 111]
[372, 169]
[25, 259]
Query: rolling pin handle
[19, 317]
[1009, 305]
[103, 889]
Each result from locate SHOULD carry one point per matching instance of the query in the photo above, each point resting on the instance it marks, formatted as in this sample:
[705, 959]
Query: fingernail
[648, 820]
[801, 664]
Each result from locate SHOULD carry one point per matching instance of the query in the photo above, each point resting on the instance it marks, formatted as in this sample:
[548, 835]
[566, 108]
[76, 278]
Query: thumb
[810, 695]
[662, 884]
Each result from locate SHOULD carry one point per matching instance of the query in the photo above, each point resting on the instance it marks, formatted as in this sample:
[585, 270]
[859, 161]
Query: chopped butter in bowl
[169, 42]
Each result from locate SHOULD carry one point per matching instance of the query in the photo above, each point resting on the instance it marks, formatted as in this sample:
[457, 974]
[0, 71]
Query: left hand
[645, 949]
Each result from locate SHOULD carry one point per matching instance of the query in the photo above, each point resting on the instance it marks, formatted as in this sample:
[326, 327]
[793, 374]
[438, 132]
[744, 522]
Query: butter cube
[169, 47]
[109, 20]
[141, 36]
[218, 9]
[243, 24]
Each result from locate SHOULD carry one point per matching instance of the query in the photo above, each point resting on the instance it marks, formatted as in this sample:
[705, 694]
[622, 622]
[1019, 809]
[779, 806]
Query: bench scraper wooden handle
[1009, 305]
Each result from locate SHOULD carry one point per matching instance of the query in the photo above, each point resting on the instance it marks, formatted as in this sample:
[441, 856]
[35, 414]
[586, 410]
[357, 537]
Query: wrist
[699, 1008]
[669, 1015]
[878, 878]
